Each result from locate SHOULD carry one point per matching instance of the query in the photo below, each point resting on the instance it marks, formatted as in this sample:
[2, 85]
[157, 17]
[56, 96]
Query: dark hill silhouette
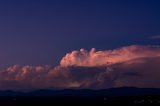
[124, 95]
[123, 91]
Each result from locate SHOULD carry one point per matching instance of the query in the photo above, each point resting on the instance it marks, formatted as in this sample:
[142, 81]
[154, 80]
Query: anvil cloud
[137, 66]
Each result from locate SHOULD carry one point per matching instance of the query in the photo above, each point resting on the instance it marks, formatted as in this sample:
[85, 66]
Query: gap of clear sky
[40, 32]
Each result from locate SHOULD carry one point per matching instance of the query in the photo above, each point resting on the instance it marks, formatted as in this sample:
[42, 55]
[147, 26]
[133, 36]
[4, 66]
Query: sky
[93, 44]
[36, 32]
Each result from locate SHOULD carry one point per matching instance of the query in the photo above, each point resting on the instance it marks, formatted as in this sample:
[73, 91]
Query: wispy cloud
[154, 37]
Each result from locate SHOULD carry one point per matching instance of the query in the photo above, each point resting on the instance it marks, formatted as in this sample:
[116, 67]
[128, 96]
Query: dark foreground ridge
[125, 95]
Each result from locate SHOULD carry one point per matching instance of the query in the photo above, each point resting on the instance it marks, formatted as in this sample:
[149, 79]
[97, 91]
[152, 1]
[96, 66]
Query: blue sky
[39, 32]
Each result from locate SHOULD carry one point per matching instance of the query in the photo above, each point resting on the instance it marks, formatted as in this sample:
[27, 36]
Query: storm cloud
[137, 66]
[108, 57]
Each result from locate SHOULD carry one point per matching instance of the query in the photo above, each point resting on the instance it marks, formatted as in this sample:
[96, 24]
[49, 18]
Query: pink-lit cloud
[137, 66]
[107, 57]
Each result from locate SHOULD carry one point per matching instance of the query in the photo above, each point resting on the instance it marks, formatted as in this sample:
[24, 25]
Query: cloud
[155, 37]
[127, 66]
[108, 57]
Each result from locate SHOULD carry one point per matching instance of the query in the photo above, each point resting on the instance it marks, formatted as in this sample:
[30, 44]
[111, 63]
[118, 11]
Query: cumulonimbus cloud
[137, 66]
[107, 57]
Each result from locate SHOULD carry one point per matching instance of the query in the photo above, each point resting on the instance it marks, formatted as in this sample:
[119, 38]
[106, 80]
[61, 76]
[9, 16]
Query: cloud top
[107, 57]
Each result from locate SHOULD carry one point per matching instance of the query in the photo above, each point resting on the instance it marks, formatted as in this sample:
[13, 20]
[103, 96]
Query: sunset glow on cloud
[127, 66]
[107, 57]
